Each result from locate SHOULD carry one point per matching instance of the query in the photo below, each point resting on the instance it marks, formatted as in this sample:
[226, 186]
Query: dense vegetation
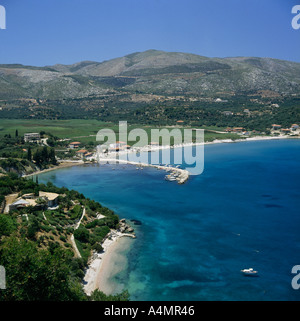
[166, 112]
[15, 147]
[35, 246]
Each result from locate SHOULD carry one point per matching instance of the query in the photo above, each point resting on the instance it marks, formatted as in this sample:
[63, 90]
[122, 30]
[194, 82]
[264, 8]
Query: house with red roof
[74, 145]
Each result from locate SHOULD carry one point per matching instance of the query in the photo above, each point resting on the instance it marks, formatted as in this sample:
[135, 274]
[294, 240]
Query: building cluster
[246, 112]
[43, 200]
[275, 130]
[118, 146]
[241, 130]
[80, 153]
[279, 130]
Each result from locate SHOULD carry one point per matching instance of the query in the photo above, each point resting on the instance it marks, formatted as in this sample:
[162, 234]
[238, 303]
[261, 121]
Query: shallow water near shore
[241, 212]
[115, 266]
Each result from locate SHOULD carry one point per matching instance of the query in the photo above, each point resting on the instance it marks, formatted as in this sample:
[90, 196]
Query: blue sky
[46, 32]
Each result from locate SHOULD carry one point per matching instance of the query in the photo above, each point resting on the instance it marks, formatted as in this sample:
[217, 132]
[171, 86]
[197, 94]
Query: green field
[83, 130]
[60, 128]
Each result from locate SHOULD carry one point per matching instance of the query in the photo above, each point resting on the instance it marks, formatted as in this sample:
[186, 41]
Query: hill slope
[151, 72]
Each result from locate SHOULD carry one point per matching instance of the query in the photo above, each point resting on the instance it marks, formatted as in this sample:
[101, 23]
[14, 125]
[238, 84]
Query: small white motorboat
[249, 272]
[170, 178]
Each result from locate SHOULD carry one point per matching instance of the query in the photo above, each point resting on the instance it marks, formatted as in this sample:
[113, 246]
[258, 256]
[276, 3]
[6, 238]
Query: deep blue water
[241, 212]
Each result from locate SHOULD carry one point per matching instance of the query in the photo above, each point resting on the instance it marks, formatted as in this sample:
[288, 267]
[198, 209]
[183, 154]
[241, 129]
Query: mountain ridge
[151, 72]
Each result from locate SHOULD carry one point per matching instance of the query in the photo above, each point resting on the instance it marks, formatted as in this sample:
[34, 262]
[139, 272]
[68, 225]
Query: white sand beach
[103, 266]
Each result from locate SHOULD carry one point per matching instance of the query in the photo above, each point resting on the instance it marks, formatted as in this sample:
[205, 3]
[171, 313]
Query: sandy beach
[113, 263]
[64, 164]
[123, 156]
[113, 157]
[105, 265]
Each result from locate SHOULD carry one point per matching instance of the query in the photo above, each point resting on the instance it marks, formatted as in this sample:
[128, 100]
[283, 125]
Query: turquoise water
[242, 212]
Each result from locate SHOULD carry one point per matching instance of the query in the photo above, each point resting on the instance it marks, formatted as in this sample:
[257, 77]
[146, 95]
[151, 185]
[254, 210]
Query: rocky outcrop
[124, 227]
[20, 167]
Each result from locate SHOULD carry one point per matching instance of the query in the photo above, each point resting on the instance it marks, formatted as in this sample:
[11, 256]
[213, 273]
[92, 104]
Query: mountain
[151, 72]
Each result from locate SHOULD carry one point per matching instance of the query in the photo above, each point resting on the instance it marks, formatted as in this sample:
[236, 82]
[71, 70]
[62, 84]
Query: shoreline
[99, 268]
[148, 148]
[63, 164]
[71, 163]
[182, 174]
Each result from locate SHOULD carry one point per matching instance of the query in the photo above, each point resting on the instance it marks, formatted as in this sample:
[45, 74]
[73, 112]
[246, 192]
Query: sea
[243, 211]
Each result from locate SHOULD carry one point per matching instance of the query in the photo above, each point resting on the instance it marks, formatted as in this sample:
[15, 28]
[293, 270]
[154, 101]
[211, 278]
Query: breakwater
[182, 175]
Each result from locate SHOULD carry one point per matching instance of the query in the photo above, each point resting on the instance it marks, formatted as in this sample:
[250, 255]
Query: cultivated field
[84, 130]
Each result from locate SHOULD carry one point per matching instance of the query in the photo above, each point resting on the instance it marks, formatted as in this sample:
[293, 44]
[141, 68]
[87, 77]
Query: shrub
[46, 228]
[111, 221]
[7, 225]
[82, 234]
[33, 228]
[102, 231]
[70, 230]
[97, 247]
[92, 224]
[76, 212]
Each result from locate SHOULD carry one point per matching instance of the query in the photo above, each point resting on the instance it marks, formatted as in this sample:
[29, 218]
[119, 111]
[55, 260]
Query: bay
[241, 212]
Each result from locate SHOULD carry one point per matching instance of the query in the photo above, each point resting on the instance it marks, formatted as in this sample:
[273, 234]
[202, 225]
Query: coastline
[63, 164]
[101, 266]
[71, 163]
[149, 148]
[182, 175]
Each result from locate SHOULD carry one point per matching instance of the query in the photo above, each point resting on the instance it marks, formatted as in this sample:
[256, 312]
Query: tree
[50, 142]
[36, 191]
[82, 234]
[33, 228]
[97, 295]
[17, 133]
[52, 157]
[98, 247]
[29, 155]
[33, 274]
[37, 157]
[7, 225]
[45, 155]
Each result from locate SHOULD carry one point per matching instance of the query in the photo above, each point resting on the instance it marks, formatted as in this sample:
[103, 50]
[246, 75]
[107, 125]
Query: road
[72, 236]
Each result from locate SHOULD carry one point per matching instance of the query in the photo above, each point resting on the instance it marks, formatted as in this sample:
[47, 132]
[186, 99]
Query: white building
[32, 137]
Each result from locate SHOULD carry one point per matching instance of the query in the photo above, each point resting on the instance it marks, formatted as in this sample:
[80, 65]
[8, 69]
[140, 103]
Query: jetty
[182, 175]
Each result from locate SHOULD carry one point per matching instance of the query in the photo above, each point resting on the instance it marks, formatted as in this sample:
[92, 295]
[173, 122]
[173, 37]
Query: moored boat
[170, 178]
[249, 272]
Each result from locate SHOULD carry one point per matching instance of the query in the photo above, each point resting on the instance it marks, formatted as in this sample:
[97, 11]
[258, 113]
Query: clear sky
[46, 32]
